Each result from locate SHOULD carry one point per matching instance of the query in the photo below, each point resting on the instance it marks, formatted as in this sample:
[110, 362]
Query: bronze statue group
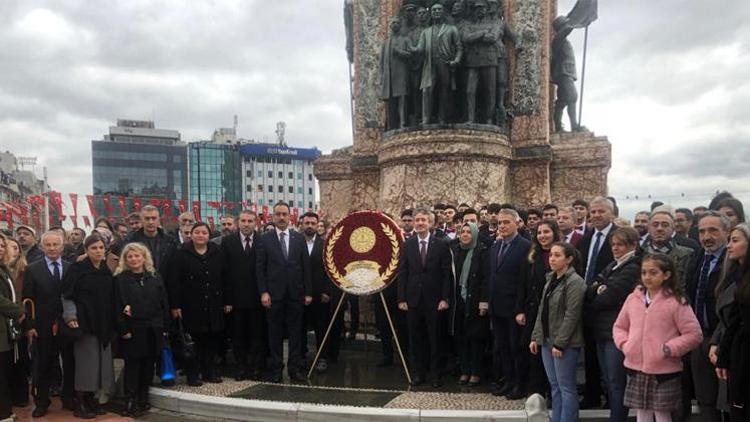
[657, 310]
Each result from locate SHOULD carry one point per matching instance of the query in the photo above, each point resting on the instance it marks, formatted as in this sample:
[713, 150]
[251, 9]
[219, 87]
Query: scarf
[466, 267]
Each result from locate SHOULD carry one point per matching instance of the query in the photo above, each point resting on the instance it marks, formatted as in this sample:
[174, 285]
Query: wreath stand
[333, 319]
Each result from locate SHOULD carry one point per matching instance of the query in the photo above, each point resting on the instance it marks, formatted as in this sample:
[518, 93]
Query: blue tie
[700, 293]
[56, 271]
[591, 267]
[501, 253]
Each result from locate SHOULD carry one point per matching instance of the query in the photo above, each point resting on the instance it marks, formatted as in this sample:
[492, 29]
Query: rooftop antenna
[280, 131]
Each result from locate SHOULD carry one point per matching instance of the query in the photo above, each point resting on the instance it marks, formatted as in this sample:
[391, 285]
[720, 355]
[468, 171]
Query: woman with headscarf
[470, 323]
[89, 306]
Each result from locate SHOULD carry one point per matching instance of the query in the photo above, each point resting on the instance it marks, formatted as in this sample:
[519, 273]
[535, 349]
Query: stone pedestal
[476, 164]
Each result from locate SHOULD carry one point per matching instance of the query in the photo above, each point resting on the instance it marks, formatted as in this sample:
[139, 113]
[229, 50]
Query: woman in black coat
[733, 363]
[532, 378]
[142, 318]
[471, 322]
[89, 307]
[198, 293]
[604, 299]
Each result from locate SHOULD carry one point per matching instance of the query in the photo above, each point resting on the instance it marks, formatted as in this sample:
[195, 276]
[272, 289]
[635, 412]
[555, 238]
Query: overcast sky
[667, 82]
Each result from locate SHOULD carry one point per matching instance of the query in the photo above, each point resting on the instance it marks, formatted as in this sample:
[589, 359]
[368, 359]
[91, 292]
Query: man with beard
[26, 237]
[660, 240]
[324, 297]
[640, 223]
[407, 223]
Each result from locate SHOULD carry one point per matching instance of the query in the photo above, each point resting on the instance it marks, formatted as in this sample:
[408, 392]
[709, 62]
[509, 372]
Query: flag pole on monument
[581, 16]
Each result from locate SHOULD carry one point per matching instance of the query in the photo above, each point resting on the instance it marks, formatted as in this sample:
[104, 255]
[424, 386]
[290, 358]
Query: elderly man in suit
[424, 286]
[506, 256]
[43, 285]
[248, 319]
[285, 287]
[596, 252]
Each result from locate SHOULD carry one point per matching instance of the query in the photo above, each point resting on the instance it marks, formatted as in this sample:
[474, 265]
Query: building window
[270, 174]
[299, 191]
[291, 204]
[260, 173]
[281, 189]
[270, 188]
[291, 189]
[309, 191]
[249, 173]
[309, 177]
[309, 205]
[249, 188]
[299, 176]
[291, 175]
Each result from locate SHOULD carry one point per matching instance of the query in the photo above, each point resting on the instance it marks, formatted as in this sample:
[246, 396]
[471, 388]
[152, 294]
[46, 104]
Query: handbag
[184, 346]
[167, 364]
[69, 335]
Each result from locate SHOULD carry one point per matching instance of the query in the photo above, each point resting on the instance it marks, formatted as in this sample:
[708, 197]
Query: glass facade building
[274, 173]
[136, 160]
[215, 176]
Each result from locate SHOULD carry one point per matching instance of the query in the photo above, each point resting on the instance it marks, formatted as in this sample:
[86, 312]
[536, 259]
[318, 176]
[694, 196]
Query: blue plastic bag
[167, 364]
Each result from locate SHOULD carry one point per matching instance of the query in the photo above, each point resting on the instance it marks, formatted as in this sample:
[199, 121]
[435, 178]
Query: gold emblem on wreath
[362, 277]
[362, 240]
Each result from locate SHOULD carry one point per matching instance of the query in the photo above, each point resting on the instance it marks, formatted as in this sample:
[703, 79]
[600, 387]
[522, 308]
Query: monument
[458, 104]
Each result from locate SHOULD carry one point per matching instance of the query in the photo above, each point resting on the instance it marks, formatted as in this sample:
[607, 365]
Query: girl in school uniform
[654, 329]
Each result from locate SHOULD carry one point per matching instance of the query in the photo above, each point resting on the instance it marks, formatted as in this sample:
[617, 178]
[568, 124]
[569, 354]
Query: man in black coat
[424, 286]
[161, 245]
[325, 297]
[596, 254]
[43, 285]
[285, 286]
[27, 239]
[703, 274]
[506, 257]
[248, 317]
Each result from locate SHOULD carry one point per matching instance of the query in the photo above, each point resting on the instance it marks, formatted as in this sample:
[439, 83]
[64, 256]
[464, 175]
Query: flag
[74, 203]
[137, 204]
[182, 205]
[244, 205]
[167, 207]
[197, 210]
[108, 206]
[121, 201]
[56, 199]
[86, 221]
[92, 208]
[583, 13]
[211, 224]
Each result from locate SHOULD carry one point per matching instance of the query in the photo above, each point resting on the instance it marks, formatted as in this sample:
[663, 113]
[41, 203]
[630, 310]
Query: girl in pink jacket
[654, 329]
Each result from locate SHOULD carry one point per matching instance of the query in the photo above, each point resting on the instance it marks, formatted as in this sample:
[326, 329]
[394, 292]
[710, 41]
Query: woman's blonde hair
[148, 262]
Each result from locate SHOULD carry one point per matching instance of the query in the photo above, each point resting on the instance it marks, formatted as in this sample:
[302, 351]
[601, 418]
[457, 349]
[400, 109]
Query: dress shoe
[69, 404]
[39, 412]
[129, 407]
[213, 379]
[83, 412]
[502, 390]
[194, 382]
[417, 381]
[515, 394]
[94, 405]
[385, 362]
[322, 366]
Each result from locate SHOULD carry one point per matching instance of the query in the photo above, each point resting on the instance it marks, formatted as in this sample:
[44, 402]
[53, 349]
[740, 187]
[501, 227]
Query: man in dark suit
[285, 286]
[703, 274]
[248, 319]
[596, 253]
[325, 297]
[43, 285]
[506, 255]
[424, 285]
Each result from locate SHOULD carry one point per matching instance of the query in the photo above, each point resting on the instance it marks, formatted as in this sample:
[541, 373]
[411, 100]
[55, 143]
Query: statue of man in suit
[394, 75]
[441, 49]
[480, 39]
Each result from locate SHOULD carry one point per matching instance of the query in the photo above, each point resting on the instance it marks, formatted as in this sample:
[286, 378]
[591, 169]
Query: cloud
[666, 82]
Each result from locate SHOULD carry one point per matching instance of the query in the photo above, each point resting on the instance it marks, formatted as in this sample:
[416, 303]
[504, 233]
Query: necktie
[56, 271]
[423, 251]
[282, 235]
[591, 267]
[501, 253]
[248, 244]
[700, 293]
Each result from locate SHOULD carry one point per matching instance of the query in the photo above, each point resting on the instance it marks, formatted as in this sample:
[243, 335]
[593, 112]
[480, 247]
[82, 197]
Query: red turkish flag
[86, 221]
[197, 210]
[244, 205]
[214, 204]
[108, 206]
[92, 208]
[182, 205]
[211, 223]
[166, 207]
[56, 199]
[9, 218]
[121, 201]
[137, 204]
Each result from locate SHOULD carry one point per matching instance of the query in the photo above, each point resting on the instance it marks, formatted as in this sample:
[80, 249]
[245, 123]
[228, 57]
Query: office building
[215, 177]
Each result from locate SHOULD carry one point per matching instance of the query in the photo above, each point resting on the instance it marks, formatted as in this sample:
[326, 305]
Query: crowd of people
[516, 298]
